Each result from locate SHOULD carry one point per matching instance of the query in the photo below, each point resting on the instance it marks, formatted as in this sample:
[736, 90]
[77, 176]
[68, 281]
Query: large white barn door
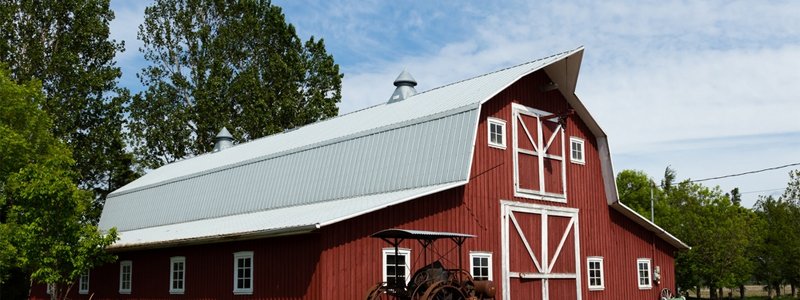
[541, 252]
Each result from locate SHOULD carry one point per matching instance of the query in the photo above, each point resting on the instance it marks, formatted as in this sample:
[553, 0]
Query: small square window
[83, 283]
[595, 268]
[177, 271]
[577, 153]
[643, 268]
[125, 276]
[481, 265]
[243, 273]
[497, 133]
[396, 266]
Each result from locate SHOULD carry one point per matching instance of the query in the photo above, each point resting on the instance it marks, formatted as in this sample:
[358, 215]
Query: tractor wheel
[378, 292]
[444, 292]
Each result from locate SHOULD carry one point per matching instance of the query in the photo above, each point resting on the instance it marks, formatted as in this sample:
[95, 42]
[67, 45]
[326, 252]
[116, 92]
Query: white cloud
[655, 74]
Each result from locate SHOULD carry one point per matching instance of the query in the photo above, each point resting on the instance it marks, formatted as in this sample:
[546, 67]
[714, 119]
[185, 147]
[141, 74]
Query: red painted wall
[341, 261]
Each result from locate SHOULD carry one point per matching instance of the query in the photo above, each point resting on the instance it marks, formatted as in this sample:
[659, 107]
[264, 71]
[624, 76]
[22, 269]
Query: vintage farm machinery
[433, 281]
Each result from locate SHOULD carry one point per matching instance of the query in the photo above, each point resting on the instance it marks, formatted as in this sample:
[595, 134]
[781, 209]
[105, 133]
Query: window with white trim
[643, 273]
[177, 274]
[51, 288]
[576, 150]
[480, 265]
[497, 133]
[595, 266]
[243, 273]
[125, 276]
[83, 283]
[396, 266]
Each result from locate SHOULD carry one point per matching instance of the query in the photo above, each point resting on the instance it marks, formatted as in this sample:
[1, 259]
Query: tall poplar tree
[65, 44]
[236, 64]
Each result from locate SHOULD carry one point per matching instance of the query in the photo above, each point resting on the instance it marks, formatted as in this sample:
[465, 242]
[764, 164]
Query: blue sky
[707, 87]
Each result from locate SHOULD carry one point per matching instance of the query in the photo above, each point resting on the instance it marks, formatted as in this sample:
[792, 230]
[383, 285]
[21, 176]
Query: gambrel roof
[324, 172]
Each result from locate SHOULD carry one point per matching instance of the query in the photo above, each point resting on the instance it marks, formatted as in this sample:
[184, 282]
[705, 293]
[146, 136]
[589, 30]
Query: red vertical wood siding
[340, 261]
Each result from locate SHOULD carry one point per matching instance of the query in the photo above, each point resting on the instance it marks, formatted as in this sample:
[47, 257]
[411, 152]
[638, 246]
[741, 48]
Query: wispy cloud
[655, 73]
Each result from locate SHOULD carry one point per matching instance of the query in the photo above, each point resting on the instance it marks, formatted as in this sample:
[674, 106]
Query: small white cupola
[224, 140]
[405, 87]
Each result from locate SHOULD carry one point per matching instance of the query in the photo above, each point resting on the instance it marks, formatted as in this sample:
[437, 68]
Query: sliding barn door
[541, 258]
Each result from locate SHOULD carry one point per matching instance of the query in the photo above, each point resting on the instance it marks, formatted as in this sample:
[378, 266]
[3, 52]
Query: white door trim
[507, 208]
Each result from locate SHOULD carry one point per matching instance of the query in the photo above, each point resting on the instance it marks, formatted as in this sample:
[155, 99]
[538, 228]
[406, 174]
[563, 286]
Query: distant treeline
[731, 245]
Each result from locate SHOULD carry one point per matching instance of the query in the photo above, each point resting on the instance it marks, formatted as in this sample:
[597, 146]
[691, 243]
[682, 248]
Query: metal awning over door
[540, 252]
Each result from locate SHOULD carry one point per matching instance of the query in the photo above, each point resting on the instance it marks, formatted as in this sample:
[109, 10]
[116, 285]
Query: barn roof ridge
[357, 135]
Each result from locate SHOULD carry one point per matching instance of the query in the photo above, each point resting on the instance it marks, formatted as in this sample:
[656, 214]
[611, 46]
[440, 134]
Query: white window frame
[639, 277]
[401, 251]
[122, 265]
[541, 117]
[480, 254]
[236, 257]
[502, 123]
[84, 278]
[50, 288]
[172, 261]
[572, 158]
[589, 261]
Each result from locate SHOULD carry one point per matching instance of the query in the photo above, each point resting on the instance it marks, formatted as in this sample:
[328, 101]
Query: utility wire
[761, 191]
[746, 173]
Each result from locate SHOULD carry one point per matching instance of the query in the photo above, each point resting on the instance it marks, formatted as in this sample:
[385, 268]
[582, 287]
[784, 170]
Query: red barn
[512, 157]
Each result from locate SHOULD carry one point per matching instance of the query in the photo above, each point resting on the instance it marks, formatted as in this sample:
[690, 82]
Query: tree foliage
[221, 63]
[44, 216]
[65, 45]
[778, 256]
[719, 231]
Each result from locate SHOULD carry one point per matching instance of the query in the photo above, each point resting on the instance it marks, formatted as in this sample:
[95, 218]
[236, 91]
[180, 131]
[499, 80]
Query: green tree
[65, 44]
[44, 216]
[719, 231]
[221, 63]
[636, 189]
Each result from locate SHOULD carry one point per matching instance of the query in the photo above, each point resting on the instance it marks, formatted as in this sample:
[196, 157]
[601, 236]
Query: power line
[761, 191]
[747, 173]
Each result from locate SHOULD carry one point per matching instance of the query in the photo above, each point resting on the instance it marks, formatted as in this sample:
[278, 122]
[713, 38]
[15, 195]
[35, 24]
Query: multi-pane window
[497, 133]
[595, 266]
[177, 271]
[125, 276]
[576, 150]
[83, 283]
[396, 266]
[481, 265]
[643, 267]
[243, 272]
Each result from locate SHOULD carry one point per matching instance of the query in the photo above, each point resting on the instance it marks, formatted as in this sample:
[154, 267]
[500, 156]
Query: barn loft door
[539, 160]
[540, 252]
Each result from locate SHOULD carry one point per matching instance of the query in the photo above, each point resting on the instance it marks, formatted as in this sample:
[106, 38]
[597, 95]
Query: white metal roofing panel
[425, 140]
[434, 151]
[470, 92]
[271, 221]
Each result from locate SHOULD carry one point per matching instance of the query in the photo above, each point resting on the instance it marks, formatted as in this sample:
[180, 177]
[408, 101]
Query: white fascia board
[660, 232]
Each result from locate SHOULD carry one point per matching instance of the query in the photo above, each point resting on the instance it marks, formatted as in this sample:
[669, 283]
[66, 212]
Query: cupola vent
[224, 140]
[405, 84]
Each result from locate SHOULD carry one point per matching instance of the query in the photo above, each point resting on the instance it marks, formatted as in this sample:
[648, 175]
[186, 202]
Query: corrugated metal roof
[269, 222]
[470, 92]
[423, 141]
